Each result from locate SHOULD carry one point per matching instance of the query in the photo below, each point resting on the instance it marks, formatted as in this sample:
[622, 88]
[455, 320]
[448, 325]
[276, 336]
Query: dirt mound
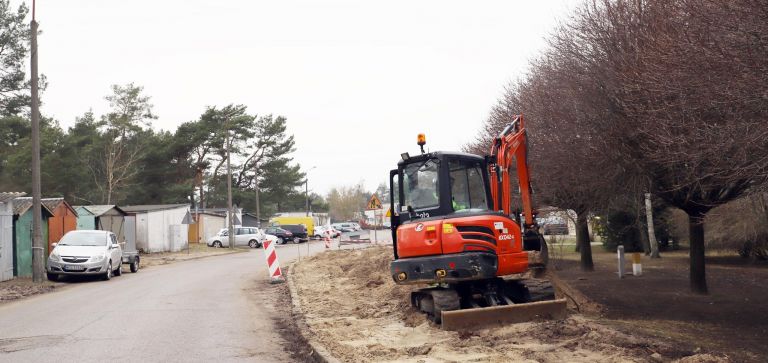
[23, 287]
[353, 308]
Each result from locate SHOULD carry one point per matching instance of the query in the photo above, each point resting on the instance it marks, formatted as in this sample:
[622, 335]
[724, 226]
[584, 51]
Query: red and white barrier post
[275, 274]
[327, 239]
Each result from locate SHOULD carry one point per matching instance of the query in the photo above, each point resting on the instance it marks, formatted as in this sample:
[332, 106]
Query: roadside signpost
[188, 220]
[374, 204]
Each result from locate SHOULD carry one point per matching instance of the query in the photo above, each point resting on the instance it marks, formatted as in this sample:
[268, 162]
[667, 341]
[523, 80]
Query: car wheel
[296, 240]
[217, 244]
[253, 243]
[119, 271]
[108, 275]
[281, 240]
[53, 277]
[135, 265]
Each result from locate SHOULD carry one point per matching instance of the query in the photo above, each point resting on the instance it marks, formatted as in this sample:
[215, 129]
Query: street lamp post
[306, 188]
[38, 262]
[230, 226]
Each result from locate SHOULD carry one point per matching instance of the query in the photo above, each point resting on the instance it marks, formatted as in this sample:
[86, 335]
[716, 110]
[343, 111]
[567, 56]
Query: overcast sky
[357, 80]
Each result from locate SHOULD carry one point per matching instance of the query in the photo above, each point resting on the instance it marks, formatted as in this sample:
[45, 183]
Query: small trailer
[130, 253]
[132, 258]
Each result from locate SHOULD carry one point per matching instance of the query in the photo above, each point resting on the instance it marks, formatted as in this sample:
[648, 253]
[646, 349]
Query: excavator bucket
[467, 319]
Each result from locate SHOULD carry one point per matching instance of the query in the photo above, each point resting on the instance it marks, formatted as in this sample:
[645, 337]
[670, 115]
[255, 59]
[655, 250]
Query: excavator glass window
[420, 185]
[467, 187]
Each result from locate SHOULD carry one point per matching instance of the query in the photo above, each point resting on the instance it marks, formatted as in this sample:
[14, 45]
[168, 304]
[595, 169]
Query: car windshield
[420, 184]
[84, 239]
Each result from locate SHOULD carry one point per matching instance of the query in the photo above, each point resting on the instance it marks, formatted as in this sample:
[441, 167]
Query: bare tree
[122, 143]
[567, 164]
[669, 94]
[687, 90]
[346, 202]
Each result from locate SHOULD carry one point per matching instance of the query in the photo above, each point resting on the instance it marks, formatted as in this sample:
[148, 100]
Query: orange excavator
[455, 229]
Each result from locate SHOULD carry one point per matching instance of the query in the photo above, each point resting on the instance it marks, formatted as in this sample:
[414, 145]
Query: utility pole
[306, 188]
[258, 205]
[38, 266]
[230, 226]
[306, 193]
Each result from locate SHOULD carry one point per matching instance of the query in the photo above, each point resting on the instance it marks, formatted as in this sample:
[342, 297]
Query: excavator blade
[503, 314]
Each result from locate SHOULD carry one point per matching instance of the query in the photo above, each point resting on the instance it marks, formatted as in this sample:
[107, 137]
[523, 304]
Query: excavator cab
[453, 228]
[440, 184]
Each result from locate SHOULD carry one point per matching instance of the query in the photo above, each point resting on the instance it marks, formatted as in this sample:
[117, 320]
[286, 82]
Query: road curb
[191, 258]
[319, 352]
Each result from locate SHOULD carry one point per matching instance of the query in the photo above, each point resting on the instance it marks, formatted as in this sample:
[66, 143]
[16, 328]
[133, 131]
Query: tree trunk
[199, 183]
[582, 241]
[651, 229]
[698, 277]
[578, 245]
[641, 227]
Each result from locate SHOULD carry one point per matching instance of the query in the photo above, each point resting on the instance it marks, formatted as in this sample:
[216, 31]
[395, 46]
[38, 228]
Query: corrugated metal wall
[160, 235]
[63, 221]
[23, 243]
[129, 225]
[211, 226]
[6, 241]
[85, 219]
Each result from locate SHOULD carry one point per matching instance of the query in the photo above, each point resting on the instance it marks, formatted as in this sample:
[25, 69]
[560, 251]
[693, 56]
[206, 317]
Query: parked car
[553, 225]
[86, 252]
[321, 230]
[270, 237]
[344, 227]
[299, 232]
[282, 235]
[244, 236]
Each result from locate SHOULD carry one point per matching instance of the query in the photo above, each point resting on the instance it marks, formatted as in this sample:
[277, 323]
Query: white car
[346, 227]
[244, 236]
[320, 231]
[86, 252]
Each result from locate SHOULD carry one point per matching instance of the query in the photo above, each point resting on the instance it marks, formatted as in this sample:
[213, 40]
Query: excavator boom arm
[510, 152]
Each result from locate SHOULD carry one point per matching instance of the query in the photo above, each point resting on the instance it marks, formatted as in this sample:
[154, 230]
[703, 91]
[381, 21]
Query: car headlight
[100, 257]
[55, 255]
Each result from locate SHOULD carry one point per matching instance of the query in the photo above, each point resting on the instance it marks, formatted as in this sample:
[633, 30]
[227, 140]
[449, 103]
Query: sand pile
[353, 308]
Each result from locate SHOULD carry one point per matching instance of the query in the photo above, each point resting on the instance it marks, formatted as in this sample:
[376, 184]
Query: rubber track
[540, 289]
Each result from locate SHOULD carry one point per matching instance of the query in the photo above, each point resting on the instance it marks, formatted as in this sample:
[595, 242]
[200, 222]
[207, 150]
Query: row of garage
[147, 228]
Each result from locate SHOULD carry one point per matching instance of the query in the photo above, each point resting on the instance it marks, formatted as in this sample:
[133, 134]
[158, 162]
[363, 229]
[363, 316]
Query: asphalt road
[208, 309]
